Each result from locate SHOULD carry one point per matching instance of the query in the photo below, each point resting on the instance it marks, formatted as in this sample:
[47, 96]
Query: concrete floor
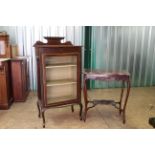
[141, 106]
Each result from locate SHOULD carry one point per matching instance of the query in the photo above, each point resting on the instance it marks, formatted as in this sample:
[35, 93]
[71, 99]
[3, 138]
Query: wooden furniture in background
[20, 78]
[14, 51]
[14, 78]
[5, 51]
[6, 97]
[59, 75]
[101, 75]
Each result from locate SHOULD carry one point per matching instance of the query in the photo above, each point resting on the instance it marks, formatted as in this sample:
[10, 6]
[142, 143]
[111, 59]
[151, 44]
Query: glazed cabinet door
[60, 79]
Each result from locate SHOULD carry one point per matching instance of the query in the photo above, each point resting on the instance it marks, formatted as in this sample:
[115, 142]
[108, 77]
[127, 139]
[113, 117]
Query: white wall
[26, 36]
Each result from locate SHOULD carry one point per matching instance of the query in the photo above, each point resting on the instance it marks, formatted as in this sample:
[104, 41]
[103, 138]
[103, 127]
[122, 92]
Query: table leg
[85, 99]
[121, 97]
[125, 103]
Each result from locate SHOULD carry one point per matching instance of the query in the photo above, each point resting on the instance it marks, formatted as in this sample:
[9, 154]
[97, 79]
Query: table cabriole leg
[125, 103]
[85, 99]
[121, 97]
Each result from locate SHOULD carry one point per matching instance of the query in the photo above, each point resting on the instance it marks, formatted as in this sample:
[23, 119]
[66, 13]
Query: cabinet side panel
[5, 86]
[16, 80]
[3, 90]
[27, 78]
[24, 78]
[9, 82]
[79, 74]
[38, 80]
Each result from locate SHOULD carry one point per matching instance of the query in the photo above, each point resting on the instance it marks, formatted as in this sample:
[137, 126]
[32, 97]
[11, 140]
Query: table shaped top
[96, 74]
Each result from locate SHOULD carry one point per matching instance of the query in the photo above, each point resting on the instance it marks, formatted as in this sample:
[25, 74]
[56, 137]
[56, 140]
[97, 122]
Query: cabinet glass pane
[61, 73]
[61, 93]
[61, 78]
[62, 67]
[61, 60]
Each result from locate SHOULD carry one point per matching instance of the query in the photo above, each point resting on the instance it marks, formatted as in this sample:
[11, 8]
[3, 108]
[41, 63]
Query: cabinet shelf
[60, 82]
[60, 65]
[60, 99]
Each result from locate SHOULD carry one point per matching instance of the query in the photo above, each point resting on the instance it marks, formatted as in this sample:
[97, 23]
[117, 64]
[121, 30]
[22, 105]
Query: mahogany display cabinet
[59, 75]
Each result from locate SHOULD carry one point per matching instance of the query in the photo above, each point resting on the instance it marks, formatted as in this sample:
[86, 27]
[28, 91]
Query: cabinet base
[41, 110]
[23, 99]
[6, 106]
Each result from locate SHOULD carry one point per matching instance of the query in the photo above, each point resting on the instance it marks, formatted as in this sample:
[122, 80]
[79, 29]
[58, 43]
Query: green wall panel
[130, 48]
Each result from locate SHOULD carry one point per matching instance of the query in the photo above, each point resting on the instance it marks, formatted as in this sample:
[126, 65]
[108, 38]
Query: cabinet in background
[5, 48]
[20, 79]
[6, 97]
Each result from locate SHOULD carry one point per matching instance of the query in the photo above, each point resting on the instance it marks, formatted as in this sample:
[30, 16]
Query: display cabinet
[20, 78]
[59, 75]
[6, 97]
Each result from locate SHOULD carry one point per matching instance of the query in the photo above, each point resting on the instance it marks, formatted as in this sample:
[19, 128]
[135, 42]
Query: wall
[130, 48]
[26, 36]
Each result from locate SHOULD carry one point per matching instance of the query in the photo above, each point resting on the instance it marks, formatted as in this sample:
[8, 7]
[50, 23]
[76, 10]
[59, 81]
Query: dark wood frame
[55, 48]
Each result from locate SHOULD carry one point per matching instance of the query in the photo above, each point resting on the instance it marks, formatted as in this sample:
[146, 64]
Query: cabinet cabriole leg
[39, 113]
[43, 116]
[72, 108]
[80, 113]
